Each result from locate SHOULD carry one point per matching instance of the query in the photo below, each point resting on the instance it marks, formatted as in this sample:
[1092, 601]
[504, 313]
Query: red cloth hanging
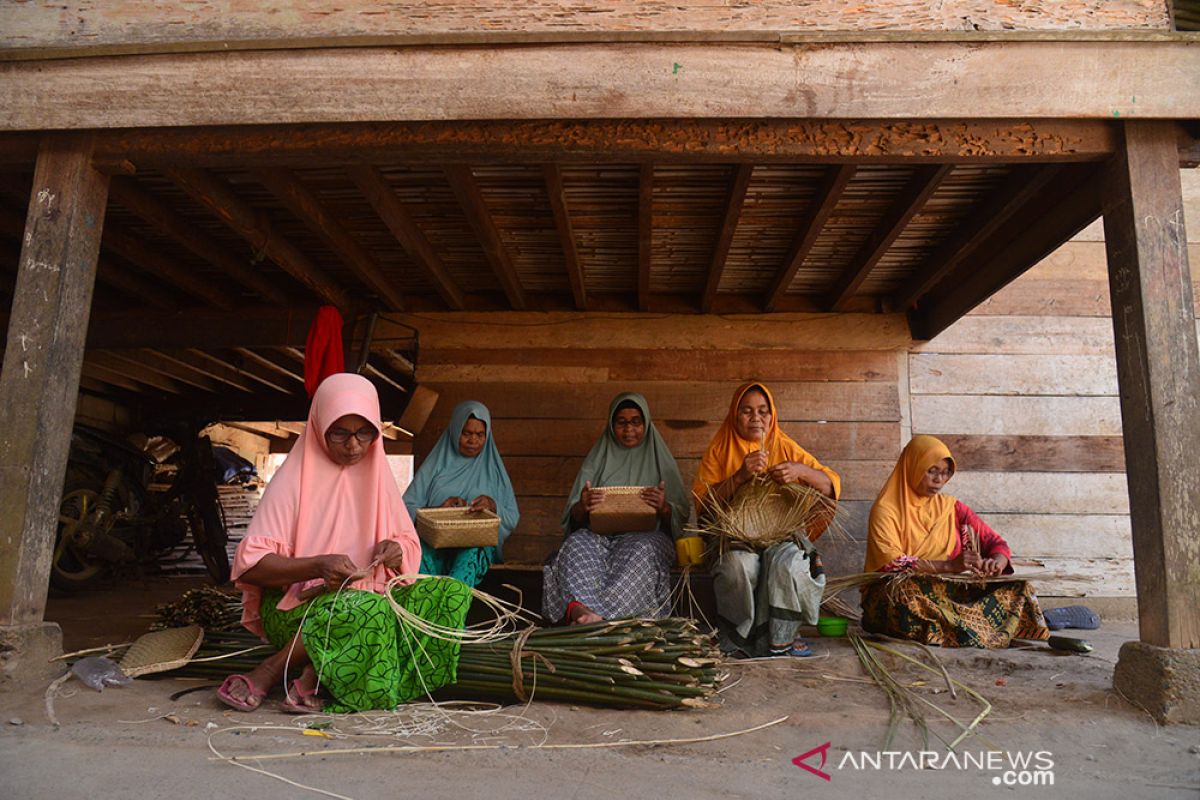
[323, 354]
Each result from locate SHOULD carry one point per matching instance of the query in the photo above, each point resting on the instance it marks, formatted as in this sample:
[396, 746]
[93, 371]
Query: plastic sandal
[797, 649]
[299, 700]
[254, 696]
[1080, 617]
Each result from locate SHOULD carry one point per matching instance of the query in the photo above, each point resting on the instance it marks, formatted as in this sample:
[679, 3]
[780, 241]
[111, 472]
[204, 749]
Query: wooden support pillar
[39, 383]
[1158, 370]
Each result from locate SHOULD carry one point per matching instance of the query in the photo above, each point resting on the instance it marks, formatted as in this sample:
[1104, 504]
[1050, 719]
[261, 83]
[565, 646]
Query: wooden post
[1158, 370]
[40, 379]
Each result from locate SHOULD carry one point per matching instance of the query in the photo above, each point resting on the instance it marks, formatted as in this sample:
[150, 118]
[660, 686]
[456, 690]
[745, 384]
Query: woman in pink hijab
[329, 534]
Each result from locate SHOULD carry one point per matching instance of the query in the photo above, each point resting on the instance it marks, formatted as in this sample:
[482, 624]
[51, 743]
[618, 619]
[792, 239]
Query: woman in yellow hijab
[916, 529]
[763, 598]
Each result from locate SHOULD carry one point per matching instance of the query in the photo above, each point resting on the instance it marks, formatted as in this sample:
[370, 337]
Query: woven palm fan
[764, 513]
[161, 651]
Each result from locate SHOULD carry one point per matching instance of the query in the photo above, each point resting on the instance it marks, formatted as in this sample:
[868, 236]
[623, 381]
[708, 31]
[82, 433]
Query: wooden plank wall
[549, 404]
[1024, 392]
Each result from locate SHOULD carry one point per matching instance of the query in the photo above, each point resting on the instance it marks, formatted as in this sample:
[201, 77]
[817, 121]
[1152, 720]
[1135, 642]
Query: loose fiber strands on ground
[763, 513]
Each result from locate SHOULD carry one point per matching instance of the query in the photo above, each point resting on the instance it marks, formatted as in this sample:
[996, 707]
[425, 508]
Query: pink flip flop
[254, 696]
[297, 699]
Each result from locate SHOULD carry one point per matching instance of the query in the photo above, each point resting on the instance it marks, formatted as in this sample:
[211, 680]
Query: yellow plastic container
[689, 551]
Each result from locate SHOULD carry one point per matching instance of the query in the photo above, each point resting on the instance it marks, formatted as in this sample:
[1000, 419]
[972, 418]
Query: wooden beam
[824, 201]
[373, 185]
[112, 377]
[398, 362]
[889, 80]
[152, 261]
[470, 199]
[1019, 189]
[1067, 207]
[267, 363]
[240, 368]
[127, 193]
[218, 197]
[265, 430]
[911, 200]
[133, 368]
[645, 234]
[1158, 370]
[729, 221]
[566, 235]
[173, 369]
[218, 371]
[284, 184]
[373, 370]
[39, 380]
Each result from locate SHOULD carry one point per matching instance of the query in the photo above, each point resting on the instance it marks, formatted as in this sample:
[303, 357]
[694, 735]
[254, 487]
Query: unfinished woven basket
[458, 527]
[162, 651]
[623, 511]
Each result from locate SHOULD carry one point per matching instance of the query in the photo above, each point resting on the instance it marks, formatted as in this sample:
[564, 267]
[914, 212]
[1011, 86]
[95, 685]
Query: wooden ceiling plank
[243, 370]
[729, 222]
[824, 202]
[566, 234]
[135, 370]
[645, 234]
[1019, 189]
[109, 376]
[151, 261]
[1030, 235]
[373, 370]
[391, 211]
[398, 362]
[212, 369]
[218, 197]
[470, 199]
[128, 194]
[267, 363]
[907, 205]
[305, 205]
[173, 369]
[259, 429]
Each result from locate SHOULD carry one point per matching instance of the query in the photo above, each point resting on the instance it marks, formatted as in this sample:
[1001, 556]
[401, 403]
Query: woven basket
[458, 527]
[623, 511]
[162, 651]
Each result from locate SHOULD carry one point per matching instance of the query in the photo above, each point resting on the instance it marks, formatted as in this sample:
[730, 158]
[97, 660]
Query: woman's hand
[752, 464]
[453, 502]
[787, 472]
[483, 503]
[992, 566]
[337, 570]
[656, 498]
[590, 498]
[390, 554]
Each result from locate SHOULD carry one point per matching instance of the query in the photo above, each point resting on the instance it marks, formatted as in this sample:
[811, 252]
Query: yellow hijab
[728, 450]
[903, 523]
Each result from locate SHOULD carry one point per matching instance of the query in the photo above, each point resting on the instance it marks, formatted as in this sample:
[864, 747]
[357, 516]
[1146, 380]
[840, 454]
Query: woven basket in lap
[162, 651]
[623, 511]
[458, 527]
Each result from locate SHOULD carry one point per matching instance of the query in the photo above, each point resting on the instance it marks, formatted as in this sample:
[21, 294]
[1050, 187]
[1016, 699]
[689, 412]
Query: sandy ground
[112, 745]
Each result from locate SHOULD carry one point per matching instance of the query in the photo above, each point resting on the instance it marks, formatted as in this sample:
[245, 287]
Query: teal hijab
[610, 463]
[448, 473]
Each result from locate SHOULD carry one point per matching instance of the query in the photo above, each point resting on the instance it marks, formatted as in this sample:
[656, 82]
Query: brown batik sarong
[935, 611]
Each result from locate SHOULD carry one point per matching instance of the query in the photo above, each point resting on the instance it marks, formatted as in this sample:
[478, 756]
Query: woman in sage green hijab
[596, 577]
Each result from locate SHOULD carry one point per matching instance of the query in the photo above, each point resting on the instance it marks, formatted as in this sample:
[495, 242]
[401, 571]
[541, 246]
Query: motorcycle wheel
[71, 568]
[209, 537]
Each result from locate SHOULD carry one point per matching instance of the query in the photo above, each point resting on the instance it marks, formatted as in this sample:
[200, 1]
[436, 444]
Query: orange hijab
[728, 450]
[903, 523]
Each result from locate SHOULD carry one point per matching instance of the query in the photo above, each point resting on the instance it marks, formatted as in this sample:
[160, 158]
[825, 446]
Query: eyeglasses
[341, 435]
[636, 422]
[935, 473]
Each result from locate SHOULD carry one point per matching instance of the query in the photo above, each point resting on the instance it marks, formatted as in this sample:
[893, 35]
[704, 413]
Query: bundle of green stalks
[652, 664]
[763, 513]
[836, 585]
[206, 606]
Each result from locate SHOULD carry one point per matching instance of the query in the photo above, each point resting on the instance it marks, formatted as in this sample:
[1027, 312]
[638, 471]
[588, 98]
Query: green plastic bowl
[832, 626]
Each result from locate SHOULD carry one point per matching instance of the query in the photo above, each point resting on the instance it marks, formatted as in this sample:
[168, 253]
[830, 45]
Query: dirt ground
[1090, 742]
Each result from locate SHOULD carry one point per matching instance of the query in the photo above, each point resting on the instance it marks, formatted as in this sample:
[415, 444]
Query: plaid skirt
[935, 611]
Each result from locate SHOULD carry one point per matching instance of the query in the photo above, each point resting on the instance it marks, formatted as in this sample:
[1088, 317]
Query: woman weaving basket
[464, 470]
[919, 532]
[329, 534]
[597, 576]
[764, 597]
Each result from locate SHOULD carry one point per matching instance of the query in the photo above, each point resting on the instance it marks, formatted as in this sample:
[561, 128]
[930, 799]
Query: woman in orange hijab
[763, 598]
[916, 529]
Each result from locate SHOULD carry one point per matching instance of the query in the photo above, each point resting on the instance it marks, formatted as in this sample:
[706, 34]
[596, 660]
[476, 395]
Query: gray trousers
[763, 598]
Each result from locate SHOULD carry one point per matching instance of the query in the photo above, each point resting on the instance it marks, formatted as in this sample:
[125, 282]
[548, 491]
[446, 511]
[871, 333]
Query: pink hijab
[314, 506]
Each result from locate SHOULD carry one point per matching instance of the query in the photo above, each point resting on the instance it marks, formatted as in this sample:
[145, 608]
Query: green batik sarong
[467, 564]
[366, 657]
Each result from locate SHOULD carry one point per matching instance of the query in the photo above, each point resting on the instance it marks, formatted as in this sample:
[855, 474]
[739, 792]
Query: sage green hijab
[610, 463]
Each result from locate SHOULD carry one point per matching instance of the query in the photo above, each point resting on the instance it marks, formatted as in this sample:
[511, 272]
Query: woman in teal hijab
[596, 577]
[464, 469]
